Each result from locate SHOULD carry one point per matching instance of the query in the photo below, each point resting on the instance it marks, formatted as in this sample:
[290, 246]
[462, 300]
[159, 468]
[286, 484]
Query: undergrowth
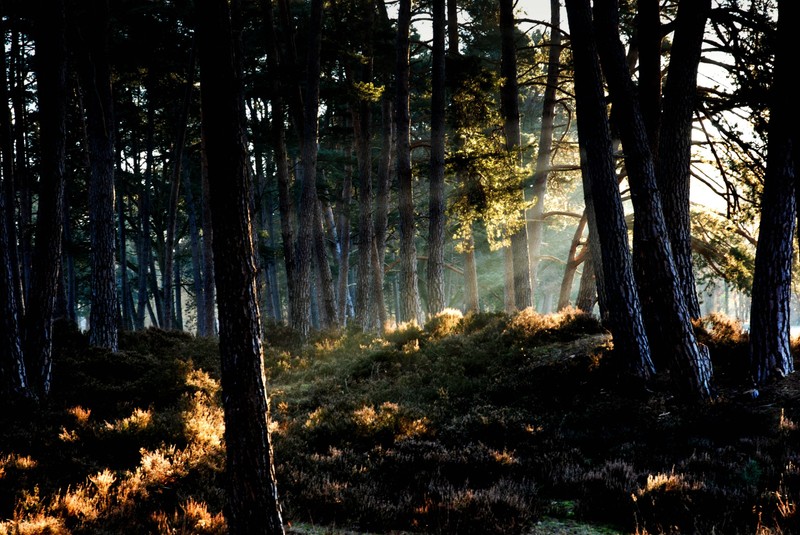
[480, 424]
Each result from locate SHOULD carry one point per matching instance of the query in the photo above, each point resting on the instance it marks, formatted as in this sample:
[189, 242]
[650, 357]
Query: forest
[395, 266]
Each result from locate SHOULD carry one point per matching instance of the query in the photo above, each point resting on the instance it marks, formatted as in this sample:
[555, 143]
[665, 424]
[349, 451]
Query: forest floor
[486, 424]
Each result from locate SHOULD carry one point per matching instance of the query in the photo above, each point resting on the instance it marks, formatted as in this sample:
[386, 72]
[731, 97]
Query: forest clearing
[478, 424]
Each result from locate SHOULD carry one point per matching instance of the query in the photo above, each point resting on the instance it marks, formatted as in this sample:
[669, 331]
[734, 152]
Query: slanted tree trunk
[603, 201]
[770, 353]
[409, 292]
[436, 215]
[673, 171]
[574, 259]
[689, 361]
[509, 103]
[545, 149]
[253, 505]
[103, 316]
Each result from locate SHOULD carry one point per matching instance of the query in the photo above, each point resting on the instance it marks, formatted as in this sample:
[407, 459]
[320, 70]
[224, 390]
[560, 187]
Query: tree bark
[103, 316]
[509, 103]
[673, 171]
[253, 497]
[384, 179]
[436, 203]
[603, 201]
[689, 362]
[409, 292]
[51, 81]
[770, 352]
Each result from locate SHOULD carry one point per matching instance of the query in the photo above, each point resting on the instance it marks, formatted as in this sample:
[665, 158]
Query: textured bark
[509, 104]
[327, 295]
[770, 354]
[308, 191]
[253, 498]
[409, 292]
[603, 201]
[51, 85]
[436, 214]
[673, 171]
[689, 361]
[103, 316]
[545, 148]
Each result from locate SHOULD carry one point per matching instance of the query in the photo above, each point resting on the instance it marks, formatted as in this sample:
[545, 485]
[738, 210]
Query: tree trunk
[673, 171]
[308, 191]
[172, 212]
[689, 362]
[384, 180]
[103, 316]
[343, 230]
[362, 119]
[9, 180]
[648, 41]
[587, 290]
[574, 259]
[436, 204]
[197, 264]
[325, 287]
[51, 81]
[209, 288]
[509, 102]
[603, 201]
[545, 148]
[253, 498]
[20, 224]
[409, 292]
[770, 352]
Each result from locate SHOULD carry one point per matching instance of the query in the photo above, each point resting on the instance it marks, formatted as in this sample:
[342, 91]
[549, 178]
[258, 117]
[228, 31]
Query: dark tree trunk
[770, 353]
[603, 201]
[648, 41]
[12, 365]
[327, 295]
[689, 361]
[308, 190]
[343, 230]
[172, 212]
[209, 288]
[103, 316]
[545, 149]
[253, 498]
[384, 180]
[145, 246]
[673, 171]
[509, 103]
[436, 205]
[20, 224]
[362, 119]
[51, 75]
[409, 292]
